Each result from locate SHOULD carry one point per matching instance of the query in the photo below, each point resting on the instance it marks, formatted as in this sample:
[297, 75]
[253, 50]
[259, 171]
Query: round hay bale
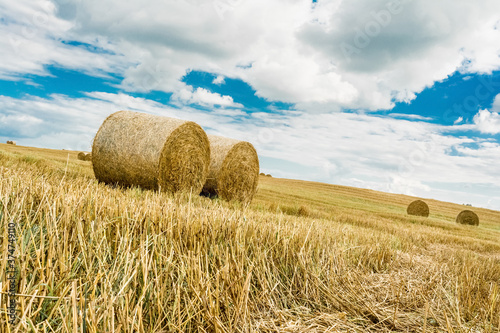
[418, 208]
[468, 217]
[81, 156]
[150, 151]
[88, 157]
[262, 174]
[9, 142]
[234, 169]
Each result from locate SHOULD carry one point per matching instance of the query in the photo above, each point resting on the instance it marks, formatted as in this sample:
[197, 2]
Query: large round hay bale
[81, 156]
[88, 157]
[234, 169]
[418, 208]
[150, 151]
[468, 217]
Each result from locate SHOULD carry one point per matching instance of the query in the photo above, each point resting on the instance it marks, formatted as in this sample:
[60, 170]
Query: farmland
[302, 257]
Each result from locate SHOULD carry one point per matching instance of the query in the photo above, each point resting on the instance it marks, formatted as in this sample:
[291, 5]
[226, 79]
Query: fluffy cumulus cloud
[401, 46]
[488, 121]
[204, 97]
[392, 49]
[33, 37]
[331, 54]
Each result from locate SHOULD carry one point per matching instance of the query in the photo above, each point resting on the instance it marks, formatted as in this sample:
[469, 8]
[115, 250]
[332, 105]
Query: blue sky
[398, 96]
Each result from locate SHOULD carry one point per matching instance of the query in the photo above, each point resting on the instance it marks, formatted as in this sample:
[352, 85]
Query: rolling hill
[303, 257]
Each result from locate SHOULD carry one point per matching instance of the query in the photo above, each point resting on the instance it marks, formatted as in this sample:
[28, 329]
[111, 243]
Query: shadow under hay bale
[467, 217]
[81, 156]
[9, 142]
[418, 208]
[234, 169]
[152, 152]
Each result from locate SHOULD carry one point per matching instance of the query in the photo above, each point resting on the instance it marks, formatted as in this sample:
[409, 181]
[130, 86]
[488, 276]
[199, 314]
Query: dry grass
[138, 149]
[346, 260]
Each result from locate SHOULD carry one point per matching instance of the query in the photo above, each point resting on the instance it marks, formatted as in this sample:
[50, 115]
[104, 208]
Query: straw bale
[234, 169]
[151, 151]
[468, 217]
[418, 208]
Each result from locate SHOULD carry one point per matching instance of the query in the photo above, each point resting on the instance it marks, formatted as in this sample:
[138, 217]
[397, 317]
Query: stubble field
[303, 257]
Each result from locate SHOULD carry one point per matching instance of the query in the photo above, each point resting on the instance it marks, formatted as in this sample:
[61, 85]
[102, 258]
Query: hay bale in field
[262, 174]
[9, 142]
[81, 156]
[88, 157]
[150, 151]
[468, 217]
[418, 208]
[234, 169]
[268, 175]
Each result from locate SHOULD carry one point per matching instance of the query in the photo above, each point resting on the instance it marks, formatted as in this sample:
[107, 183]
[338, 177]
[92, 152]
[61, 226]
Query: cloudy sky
[398, 96]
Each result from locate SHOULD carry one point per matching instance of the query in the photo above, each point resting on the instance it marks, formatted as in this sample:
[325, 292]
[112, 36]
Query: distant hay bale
[150, 151]
[234, 169]
[468, 217]
[88, 157]
[418, 208]
[268, 175]
[9, 142]
[81, 156]
[262, 174]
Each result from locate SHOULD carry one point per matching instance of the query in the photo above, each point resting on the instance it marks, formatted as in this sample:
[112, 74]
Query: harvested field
[302, 257]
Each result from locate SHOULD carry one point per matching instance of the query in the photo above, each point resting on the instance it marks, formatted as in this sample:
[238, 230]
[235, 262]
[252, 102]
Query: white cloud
[487, 122]
[219, 79]
[458, 120]
[204, 97]
[407, 186]
[401, 52]
[293, 57]
[20, 125]
[409, 116]
[496, 103]
[33, 38]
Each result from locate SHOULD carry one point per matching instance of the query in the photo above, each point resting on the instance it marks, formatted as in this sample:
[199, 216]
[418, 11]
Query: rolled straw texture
[418, 208]
[234, 169]
[151, 151]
